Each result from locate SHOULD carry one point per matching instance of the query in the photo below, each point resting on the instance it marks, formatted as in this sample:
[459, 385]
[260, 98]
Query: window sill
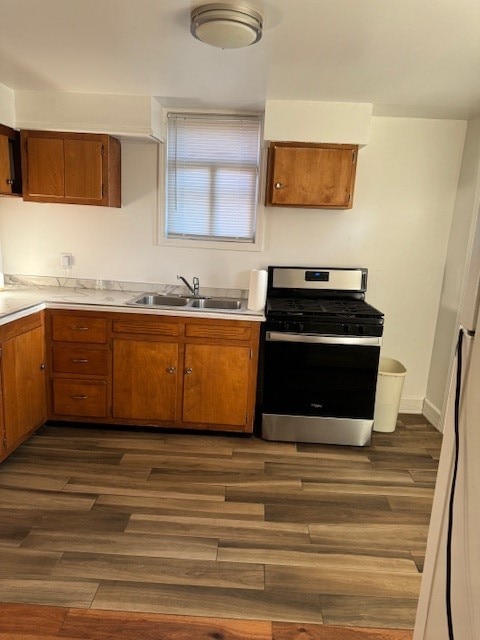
[211, 244]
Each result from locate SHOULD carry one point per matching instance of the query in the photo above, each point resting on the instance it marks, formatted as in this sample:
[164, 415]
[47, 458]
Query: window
[212, 177]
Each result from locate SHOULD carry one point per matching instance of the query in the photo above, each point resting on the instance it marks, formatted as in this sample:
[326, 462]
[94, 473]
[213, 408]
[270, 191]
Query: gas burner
[319, 307]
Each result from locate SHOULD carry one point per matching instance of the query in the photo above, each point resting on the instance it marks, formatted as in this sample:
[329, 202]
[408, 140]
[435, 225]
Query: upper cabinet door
[84, 171]
[311, 175]
[71, 168]
[45, 175]
[5, 180]
[10, 172]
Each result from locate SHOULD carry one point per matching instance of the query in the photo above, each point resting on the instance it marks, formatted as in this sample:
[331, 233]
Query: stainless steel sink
[186, 302]
[217, 303]
[158, 300]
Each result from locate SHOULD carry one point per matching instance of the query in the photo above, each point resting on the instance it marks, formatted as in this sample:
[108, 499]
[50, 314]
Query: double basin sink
[154, 300]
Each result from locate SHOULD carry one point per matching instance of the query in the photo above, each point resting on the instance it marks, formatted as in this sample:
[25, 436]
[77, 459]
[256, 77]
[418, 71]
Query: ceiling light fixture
[228, 26]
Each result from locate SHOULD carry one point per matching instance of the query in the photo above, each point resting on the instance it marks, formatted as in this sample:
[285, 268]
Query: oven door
[315, 375]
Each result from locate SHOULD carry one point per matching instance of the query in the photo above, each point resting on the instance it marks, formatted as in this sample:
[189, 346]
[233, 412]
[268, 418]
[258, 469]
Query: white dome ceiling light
[227, 26]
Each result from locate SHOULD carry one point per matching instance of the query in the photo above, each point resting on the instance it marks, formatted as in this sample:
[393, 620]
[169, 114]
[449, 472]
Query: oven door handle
[280, 336]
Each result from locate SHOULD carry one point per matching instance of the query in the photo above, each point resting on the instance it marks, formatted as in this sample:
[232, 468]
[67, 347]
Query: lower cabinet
[80, 398]
[80, 368]
[133, 369]
[145, 376]
[161, 371]
[216, 382]
[22, 380]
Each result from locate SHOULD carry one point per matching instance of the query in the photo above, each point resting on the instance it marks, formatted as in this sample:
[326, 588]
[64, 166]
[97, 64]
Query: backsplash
[113, 285]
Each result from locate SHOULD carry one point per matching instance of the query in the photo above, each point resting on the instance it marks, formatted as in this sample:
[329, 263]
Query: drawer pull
[80, 360]
[76, 328]
[79, 397]
[171, 369]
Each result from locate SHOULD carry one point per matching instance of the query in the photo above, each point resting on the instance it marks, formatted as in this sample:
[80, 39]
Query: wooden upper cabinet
[311, 175]
[45, 168]
[71, 168]
[5, 184]
[10, 173]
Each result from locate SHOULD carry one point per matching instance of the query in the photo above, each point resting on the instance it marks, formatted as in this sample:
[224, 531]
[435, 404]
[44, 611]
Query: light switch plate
[66, 260]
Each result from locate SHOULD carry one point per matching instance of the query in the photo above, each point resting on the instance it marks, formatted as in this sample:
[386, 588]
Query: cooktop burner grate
[312, 306]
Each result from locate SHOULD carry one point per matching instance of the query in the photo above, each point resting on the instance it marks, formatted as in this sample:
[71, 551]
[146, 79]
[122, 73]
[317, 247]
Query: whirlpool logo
[316, 405]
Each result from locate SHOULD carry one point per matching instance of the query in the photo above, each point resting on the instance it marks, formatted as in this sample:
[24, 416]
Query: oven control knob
[346, 328]
[360, 330]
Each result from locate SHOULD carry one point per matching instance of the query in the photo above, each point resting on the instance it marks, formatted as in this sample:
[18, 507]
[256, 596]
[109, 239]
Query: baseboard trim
[411, 404]
[432, 413]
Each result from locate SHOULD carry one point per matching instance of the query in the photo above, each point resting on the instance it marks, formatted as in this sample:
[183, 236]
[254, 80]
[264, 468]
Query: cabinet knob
[42, 366]
[279, 185]
[188, 370]
[9, 181]
[171, 369]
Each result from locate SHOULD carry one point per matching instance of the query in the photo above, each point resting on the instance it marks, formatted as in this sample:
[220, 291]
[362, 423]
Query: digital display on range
[317, 276]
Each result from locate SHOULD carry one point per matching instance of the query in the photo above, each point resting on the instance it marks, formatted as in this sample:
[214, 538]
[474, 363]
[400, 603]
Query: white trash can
[391, 375]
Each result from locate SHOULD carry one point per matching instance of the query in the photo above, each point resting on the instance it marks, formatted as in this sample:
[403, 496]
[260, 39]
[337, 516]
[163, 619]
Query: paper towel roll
[257, 291]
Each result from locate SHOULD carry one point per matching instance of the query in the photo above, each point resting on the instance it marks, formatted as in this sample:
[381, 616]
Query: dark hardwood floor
[310, 538]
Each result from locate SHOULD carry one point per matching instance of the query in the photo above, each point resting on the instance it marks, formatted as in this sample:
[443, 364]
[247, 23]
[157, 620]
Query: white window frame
[225, 245]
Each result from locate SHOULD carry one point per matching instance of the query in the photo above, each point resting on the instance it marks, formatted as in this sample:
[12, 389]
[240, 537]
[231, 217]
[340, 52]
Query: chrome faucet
[195, 289]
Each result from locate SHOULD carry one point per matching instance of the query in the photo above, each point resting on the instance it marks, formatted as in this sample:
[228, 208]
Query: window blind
[212, 176]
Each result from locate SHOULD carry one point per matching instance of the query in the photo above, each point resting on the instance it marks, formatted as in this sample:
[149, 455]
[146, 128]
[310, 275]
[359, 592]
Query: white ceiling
[408, 57]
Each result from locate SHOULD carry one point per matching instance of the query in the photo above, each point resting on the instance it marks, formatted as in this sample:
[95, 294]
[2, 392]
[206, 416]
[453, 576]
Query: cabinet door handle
[79, 397]
[279, 185]
[171, 369]
[75, 328]
[80, 360]
[188, 370]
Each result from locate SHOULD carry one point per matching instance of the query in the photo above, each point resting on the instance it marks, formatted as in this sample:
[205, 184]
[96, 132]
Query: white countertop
[19, 301]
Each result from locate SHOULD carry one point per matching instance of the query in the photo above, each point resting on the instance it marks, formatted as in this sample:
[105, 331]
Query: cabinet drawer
[145, 325]
[79, 329]
[219, 331]
[90, 361]
[80, 398]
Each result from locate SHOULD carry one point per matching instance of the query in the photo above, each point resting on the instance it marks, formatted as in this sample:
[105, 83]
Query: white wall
[127, 115]
[312, 121]
[398, 228]
[7, 106]
[465, 210]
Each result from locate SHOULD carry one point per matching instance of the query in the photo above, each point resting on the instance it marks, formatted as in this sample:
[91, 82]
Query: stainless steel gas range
[321, 350]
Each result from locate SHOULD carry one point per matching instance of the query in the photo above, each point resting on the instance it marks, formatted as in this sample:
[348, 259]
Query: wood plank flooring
[31, 622]
[311, 537]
